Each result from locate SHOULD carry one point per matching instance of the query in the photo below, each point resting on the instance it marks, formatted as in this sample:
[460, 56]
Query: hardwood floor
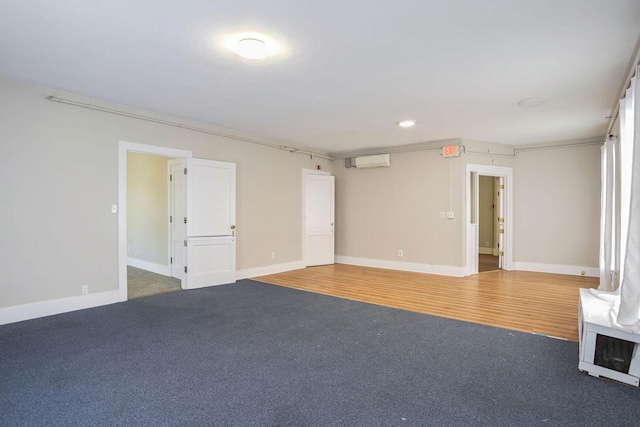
[487, 262]
[517, 300]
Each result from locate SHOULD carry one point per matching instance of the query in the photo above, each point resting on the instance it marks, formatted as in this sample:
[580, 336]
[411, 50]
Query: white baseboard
[443, 270]
[574, 270]
[486, 251]
[269, 269]
[165, 270]
[34, 310]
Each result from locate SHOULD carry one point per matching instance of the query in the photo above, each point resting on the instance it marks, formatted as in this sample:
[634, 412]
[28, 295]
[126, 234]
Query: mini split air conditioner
[375, 161]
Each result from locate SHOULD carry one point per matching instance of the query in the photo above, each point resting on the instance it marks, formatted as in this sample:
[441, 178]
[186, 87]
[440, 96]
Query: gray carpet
[142, 283]
[252, 354]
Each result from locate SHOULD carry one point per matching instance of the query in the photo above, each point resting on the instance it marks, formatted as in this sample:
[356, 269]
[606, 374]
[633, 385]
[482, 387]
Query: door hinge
[500, 219]
[170, 218]
[501, 187]
[501, 254]
[501, 231]
[185, 219]
[170, 177]
[185, 171]
[185, 268]
[171, 260]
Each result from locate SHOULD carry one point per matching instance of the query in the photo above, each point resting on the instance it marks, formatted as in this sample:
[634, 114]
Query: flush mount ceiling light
[532, 102]
[252, 48]
[407, 123]
[252, 45]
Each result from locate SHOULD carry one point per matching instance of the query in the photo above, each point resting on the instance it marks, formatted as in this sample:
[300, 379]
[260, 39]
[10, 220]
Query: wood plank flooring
[487, 262]
[517, 300]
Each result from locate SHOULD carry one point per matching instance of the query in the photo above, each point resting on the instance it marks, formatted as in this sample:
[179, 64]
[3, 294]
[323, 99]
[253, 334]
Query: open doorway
[498, 184]
[150, 203]
[208, 218]
[143, 248]
[488, 223]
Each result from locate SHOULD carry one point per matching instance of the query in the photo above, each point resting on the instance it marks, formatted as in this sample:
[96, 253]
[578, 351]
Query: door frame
[471, 203]
[306, 172]
[170, 206]
[125, 147]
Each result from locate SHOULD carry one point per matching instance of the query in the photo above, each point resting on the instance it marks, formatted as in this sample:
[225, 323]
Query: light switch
[114, 208]
[443, 215]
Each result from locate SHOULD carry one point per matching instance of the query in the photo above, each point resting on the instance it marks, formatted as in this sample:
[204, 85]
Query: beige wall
[557, 206]
[379, 211]
[60, 172]
[60, 167]
[147, 208]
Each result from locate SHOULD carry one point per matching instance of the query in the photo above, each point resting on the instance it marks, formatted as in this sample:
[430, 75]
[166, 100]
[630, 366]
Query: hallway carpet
[142, 283]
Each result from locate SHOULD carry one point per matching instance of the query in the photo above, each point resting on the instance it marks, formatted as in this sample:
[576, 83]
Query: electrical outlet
[487, 244]
[114, 208]
[449, 215]
[273, 255]
[85, 289]
[400, 253]
[443, 215]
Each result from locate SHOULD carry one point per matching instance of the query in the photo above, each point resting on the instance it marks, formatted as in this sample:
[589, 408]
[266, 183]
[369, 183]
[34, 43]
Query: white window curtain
[629, 311]
[620, 216]
[608, 247]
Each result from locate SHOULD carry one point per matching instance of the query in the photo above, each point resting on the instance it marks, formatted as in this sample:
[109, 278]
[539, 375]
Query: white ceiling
[347, 71]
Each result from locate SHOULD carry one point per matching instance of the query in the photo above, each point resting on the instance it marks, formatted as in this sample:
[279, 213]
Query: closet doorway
[500, 245]
[488, 223]
[149, 234]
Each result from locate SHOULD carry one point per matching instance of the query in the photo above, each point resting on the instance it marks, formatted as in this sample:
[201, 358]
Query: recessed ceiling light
[406, 123]
[252, 48]
[532, 102]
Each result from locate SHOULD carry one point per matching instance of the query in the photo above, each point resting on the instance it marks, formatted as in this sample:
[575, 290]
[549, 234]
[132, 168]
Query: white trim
[485, 250]
[169, 224]
[443, 270]
[34, 310]
[574, 270]
[470, 244]
[123, 148]
[165, 270]
[269, 269]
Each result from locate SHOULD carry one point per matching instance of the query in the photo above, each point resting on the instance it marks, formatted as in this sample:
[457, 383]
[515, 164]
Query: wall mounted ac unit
[375, 161]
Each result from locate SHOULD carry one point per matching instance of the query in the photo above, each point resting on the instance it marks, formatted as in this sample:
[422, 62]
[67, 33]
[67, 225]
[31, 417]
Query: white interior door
[175, 218]
[319, 220]
[210, 219]
[501, 223]
[496, 216]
